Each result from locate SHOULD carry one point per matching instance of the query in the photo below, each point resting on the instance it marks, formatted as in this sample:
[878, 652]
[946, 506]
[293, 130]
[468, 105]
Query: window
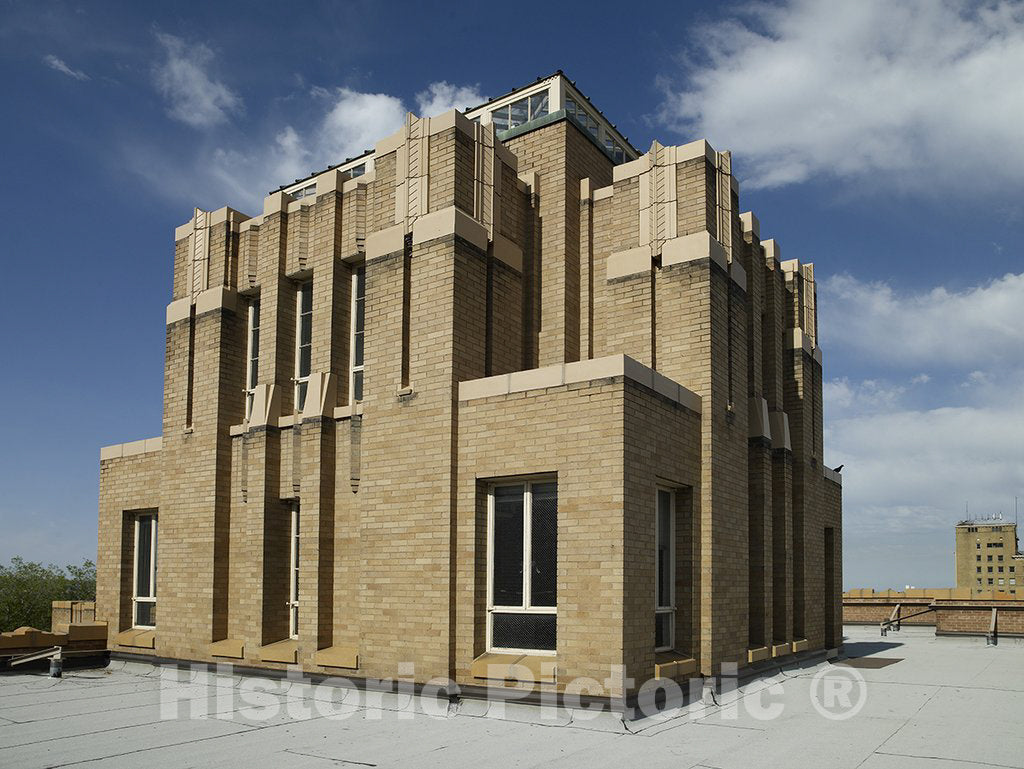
[520, 111]
[144, 583]
[990, 580]
[978, 557]
[989, 569]
[1000, 570]
[358, 324]
[309, 191]
[582, 116]
[989, 558]
[1001, 581]
[999, 557]
[522, 560]
[252, 366]
[979, 570]
[1013, 580]
[358, 170]
[303, 341]
[1012, 568]
[665, 570]
[293, 574]
[618, 154]
[979, 581]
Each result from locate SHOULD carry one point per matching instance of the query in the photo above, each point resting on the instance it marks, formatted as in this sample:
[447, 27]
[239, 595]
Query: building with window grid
[986, 556]
[502, 400]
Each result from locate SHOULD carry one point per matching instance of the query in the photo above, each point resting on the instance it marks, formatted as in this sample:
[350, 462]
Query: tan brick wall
[391, 496]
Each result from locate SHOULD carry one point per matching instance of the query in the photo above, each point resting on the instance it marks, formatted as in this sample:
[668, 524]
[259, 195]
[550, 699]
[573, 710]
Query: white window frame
[526, 607]
[251, 364]
[298, 379]
[670, 608]
[151, 598]
[293, 573]
[353, 369]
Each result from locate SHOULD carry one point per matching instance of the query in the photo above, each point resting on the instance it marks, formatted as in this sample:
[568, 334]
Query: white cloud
[442, 96]
[966, 326]
[193, 96]
[918, 448]
[57, 64]
[922, 94]
[338, 123]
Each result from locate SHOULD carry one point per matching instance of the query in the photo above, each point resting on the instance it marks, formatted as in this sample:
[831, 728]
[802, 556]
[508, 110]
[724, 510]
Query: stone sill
[673, 664]
[286, 651]
[139, 638]
[518, 668]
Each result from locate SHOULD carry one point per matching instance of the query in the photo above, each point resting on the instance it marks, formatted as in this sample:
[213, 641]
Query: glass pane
[360, 314]
[500, 119]
[518, 113]
[300, 396]
[664, 597]
[254, 353]
[357, 386]
[305, 357]
[663, 630]
[305, 331]
[360, 282]
[523, 631]
[544, 545]
[307, 297]
[570, 106]
[144, 556]
[358, 354]
[359, 170]
[255, 313]
[538, 105]
[248, 404]
[145, 613]
[507, 559]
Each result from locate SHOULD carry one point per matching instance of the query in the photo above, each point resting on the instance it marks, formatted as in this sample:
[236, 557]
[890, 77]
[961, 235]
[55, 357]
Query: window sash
[665, 563]
[526, 559]
[252, 364]
[144, 523]
[357, 338]
[303, 342]
[293, 574]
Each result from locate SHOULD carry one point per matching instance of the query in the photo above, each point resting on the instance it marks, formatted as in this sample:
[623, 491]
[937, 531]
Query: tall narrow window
[358, 325]
[293, 574]
[303, 342]
[665, 571]
[144, 582]
[252, 366]
[522, 566]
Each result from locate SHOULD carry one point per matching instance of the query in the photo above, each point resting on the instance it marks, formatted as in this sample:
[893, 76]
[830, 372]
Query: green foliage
[28, 589]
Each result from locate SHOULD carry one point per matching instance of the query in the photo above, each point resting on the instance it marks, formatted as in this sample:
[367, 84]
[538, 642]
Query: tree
[28, 589]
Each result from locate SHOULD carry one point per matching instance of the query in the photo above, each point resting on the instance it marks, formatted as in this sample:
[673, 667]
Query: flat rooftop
[927, 703]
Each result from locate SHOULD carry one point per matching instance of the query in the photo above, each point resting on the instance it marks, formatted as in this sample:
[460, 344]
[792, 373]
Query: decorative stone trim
[131, 449]
[580, 371]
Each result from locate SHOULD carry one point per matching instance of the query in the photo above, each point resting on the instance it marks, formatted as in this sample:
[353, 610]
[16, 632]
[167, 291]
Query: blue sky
[883, 144]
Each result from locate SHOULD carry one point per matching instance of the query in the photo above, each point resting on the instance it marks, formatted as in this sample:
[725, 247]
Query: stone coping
[580, 371]
[121, 450]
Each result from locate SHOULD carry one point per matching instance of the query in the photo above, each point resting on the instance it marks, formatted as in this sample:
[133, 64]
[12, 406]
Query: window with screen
[144, 582]
[523, 566]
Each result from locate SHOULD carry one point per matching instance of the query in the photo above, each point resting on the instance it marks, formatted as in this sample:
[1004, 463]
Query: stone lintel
[779, 423]
[384, 242]
[448, 221]
[629, 262]
[750, 223]
[688, 248]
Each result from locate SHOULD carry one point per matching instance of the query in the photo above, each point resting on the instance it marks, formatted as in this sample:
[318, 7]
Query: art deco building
[501, 398]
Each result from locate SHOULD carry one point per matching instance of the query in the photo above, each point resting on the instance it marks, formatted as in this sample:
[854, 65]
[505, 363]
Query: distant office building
[986, 556]
[502, 394]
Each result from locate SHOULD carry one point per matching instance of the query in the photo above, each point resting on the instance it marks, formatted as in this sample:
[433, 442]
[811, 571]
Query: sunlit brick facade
[503, 399]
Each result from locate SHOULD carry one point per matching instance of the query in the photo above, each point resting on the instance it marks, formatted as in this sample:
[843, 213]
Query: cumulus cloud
[918, 446]
[337, 124]
[922, 94]
[193, 96]
[966, 326]
[57, 64]
[442, 96]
